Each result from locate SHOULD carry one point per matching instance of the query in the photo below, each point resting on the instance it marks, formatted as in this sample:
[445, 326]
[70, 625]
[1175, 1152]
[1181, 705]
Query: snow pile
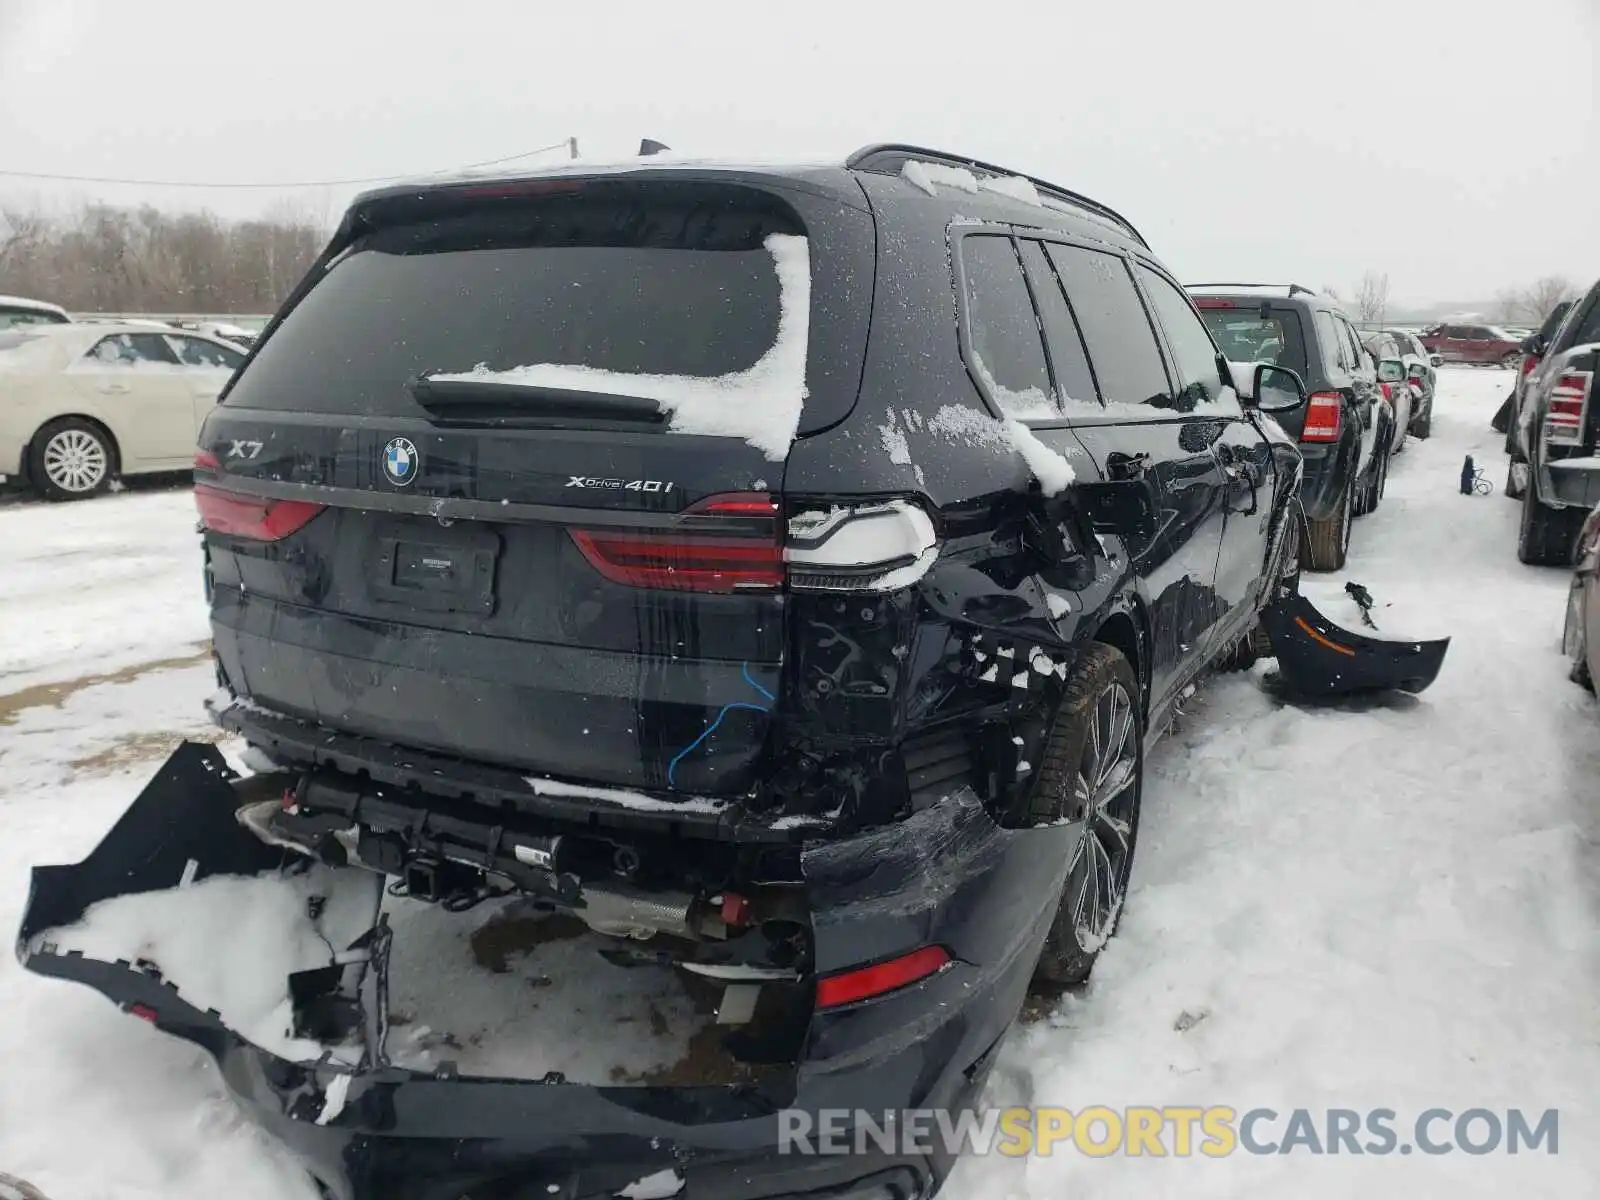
[1049, 467]
[895, 445]
[760, 404]
[230, 943]
[1030, 402]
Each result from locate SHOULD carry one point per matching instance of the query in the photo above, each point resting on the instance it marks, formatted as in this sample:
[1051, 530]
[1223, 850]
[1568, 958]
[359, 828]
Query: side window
[1358, 354]
[1007, 351]
[131, 350]
[193, 352]
[1074, 380]
[1333, 344]
[1199, 379]
[1116, 328]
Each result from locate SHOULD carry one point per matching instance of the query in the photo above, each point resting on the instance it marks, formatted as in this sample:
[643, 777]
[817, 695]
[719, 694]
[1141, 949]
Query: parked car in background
[1556, 437]
[86, 403]
[1345, 428]
[1533, 350]
[1484, 345]
[1580, 637]
[1389, 362]
[18, 311]
[1422, 377]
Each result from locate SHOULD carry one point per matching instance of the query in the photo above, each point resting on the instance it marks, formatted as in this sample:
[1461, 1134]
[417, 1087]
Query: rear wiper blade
[482, 399]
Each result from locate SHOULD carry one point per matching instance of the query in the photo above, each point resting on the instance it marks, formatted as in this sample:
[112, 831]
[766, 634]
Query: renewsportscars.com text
[1178, 1131]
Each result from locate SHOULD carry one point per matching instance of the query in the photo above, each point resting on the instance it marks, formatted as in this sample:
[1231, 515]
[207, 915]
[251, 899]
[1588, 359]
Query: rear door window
[1334, 348]
[1075, 386]
[1006, 348]
[196, 352]
[1588, 325]
[1194, 353]
[637, 288]
[132, 350]
[1116, 329]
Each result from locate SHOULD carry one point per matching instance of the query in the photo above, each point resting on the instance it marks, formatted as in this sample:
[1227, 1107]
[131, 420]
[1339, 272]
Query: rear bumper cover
[946, 875]
[1574, 483]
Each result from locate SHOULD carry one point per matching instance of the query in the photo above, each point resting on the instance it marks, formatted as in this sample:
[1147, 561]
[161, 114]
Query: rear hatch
[505, 478]
[1250, 329]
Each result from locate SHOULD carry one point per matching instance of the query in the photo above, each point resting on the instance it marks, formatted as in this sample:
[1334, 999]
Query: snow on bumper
[282, 976]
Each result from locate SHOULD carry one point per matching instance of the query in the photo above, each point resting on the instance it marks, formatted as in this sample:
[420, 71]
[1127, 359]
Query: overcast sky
[1451, 143]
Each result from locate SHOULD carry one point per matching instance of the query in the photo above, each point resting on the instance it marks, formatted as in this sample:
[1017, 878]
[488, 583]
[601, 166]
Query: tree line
[103, 258]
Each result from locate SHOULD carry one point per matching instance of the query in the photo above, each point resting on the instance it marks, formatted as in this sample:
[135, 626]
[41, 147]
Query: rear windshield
[1588, 324]
[660, 289]
[1248, 335]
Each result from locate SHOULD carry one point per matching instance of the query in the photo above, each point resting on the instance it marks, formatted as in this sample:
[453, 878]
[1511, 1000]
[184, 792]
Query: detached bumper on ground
[366, 1127]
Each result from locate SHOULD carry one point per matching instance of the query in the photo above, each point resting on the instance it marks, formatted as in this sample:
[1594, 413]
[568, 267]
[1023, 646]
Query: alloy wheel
[75, 461]
[1105, 794]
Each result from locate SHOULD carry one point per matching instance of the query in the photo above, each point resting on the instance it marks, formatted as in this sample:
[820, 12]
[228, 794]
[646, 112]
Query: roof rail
[1294, 288]
[882, 155]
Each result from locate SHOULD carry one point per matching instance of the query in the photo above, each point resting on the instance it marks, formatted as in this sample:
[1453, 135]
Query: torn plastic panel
[368, 1126]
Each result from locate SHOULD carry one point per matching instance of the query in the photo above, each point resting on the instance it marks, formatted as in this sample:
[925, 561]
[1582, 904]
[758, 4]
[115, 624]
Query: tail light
[737, 543]
[867, 982]
[253, 517]
[723, 544]
[1324, 417]
[1529, 362]
[1388, 393]
[1569, 395]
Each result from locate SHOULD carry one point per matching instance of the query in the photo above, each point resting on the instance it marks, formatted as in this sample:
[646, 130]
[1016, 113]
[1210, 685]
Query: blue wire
[744, 669]
[710, 729]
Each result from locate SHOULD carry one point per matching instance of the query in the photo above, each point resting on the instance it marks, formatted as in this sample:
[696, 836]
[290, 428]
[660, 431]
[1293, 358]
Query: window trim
[1077, 328]
[964, 323]
[1119, 416]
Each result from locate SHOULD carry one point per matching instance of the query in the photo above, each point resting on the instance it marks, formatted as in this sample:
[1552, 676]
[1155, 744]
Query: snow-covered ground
[1390, 908]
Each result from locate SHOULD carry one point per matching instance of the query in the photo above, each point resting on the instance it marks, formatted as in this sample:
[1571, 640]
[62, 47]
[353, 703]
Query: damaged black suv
[783, 571]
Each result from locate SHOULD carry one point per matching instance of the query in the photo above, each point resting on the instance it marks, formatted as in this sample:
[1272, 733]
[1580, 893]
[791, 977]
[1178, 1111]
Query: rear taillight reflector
[204, 460]
[866, 982]
[254, 517]
[1529, 362]
[1388, 391]
[685, 564]
[1324, 417]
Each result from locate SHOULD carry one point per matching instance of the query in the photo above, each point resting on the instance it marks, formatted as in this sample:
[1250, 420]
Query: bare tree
[1509, 305]
[1545, 294]
[107, 259]
[1372, 298]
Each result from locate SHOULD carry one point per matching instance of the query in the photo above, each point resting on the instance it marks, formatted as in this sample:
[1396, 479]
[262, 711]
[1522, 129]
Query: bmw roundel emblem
[400, 461]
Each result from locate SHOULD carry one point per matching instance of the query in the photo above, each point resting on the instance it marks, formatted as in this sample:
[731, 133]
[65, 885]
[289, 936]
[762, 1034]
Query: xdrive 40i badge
[620, 485]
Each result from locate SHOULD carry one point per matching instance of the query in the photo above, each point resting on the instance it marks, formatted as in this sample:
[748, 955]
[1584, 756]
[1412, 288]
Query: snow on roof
[43, 306]
[930, 177]
[760, 404]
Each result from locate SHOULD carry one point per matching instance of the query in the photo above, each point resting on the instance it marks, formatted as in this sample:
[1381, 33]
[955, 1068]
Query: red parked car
[1487, 344]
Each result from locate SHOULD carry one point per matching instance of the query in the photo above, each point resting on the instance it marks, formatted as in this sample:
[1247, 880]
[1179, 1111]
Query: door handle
[1123, 468]
[116, 388]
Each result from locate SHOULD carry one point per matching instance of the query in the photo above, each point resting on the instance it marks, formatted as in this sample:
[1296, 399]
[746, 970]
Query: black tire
[72, 459]
[1328, 540]
[1422, 427]
[1511, 359]
[1093, 763]
[1547, 536]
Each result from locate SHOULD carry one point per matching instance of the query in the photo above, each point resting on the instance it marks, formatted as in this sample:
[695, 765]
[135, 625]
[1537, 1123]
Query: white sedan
[81, 404]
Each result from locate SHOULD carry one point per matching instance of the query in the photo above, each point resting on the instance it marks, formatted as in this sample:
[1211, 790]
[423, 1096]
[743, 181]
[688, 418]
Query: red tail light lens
[253, 517]
[699, 557]
[866, 982]
[1214, 304]
[1529, 362]
[204, 460]
[1324, 417]
[1388, 391]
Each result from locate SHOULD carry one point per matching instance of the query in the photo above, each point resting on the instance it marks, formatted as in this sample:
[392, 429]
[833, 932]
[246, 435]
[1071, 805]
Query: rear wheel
[1547, 535]
[1092, 773]
[1511, 358]
[71, 459]
[1328, 540]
